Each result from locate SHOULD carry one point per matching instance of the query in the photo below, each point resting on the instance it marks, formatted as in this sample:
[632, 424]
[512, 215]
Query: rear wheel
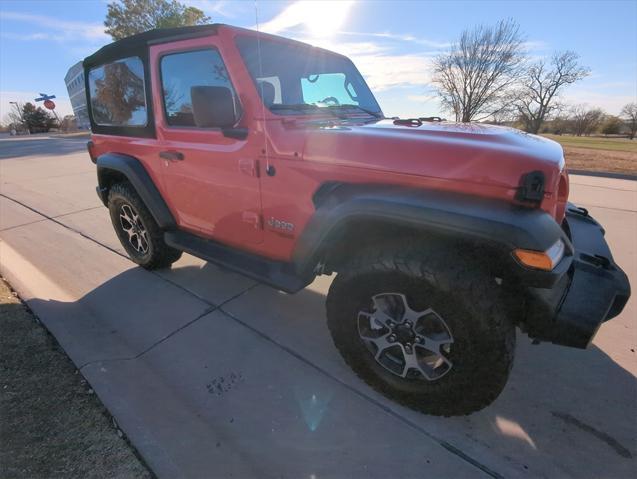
[137, 230]
[431, 336]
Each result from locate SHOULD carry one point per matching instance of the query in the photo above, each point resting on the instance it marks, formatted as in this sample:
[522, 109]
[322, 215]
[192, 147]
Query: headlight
[544, 260]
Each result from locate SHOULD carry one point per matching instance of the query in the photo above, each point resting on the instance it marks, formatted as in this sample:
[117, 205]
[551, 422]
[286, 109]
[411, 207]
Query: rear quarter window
[117, 93]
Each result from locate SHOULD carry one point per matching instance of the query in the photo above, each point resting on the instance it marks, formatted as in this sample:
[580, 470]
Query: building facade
[74, 80]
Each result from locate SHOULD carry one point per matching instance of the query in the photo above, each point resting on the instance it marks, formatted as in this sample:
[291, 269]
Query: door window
[182, 71]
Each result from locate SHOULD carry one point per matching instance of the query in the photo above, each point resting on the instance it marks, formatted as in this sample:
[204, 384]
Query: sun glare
[324, 18]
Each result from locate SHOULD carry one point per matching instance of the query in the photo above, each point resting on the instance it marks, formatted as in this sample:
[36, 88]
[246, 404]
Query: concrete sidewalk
[210, 374]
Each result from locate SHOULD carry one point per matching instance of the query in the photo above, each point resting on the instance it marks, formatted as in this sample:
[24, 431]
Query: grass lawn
[51, 424]
[596, 142]
[600, 154]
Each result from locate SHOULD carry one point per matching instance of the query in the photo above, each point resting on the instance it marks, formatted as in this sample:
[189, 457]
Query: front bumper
[593, 290]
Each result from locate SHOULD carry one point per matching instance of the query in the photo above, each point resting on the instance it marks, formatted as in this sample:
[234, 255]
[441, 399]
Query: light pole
[17, 107]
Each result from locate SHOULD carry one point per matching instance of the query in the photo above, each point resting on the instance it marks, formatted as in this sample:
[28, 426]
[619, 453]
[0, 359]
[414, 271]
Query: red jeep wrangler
[272, 158]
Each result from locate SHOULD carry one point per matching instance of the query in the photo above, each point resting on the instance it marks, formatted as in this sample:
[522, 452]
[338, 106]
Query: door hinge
[249, 167]
[252, 218]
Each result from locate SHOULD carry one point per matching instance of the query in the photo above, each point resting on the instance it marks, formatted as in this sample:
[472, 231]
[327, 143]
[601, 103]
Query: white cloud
[65, 30]
[535, 45]
[26, 37]
[422, 98]
[215, 7]
[380, 56]
[320, 17]
[388, 71]
[407, 38]
[609, 102]
[381, 67]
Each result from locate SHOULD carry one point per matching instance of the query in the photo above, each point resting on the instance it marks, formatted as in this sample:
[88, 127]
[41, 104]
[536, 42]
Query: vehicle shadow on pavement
[564, 411]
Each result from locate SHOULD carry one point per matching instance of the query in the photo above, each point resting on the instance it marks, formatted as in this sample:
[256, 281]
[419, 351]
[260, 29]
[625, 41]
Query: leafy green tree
[128, 17]
[37, 119]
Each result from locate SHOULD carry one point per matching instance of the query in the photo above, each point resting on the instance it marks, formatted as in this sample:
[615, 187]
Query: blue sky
[392, 42]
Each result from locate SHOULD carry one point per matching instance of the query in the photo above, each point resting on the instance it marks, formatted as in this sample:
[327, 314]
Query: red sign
[49, 104]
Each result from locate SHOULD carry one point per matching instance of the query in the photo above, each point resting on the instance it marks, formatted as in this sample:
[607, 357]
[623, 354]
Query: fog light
[544, 260]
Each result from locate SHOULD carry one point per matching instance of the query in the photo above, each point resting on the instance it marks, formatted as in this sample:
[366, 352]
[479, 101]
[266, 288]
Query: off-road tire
[467, 299]
[158, 254]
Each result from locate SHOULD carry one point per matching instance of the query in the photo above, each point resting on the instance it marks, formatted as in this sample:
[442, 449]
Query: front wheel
[433, 338]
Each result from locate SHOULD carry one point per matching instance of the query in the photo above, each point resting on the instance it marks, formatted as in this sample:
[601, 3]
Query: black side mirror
[213, 107]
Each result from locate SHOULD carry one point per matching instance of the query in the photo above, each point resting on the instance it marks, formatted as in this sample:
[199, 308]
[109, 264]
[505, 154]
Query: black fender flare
[133, 170]
[499, 223]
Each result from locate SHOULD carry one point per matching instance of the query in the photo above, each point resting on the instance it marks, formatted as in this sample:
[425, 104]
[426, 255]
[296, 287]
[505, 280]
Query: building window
[182, 71]
[117, 93]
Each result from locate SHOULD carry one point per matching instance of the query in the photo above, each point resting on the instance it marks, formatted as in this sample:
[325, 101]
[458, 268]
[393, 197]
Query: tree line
[27, 117]
[581, 120]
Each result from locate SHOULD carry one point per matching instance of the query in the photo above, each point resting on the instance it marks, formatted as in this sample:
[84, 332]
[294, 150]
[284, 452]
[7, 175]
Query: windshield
[298, 79]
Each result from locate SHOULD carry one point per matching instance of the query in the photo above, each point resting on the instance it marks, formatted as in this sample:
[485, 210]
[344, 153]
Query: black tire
[150, 252]
[468, 300]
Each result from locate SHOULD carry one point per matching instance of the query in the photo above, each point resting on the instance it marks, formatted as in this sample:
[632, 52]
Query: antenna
[265, 130]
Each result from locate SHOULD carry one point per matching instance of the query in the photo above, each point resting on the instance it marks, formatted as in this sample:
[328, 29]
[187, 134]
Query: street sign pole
[49, 104]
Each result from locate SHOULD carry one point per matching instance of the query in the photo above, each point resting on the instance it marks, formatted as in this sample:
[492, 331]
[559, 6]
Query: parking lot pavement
[210, 374]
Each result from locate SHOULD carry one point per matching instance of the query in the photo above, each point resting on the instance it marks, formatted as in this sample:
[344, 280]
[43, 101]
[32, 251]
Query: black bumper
[593, 290]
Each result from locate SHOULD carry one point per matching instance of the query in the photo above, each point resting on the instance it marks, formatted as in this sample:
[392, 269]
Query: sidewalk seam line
[78, 211]
[9, 228]
[53, 219]
[207, 311]
[156, 343]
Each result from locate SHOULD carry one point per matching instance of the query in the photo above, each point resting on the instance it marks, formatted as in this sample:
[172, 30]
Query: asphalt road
[210, 374]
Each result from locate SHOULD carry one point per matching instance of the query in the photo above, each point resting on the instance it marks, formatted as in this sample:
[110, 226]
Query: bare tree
[541, 85]
[474, 78]
[586, 120]
[611, 125]
[630, 113]
[14, 117]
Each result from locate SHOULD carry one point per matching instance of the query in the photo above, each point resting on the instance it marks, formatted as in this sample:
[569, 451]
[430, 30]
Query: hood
[477, 153]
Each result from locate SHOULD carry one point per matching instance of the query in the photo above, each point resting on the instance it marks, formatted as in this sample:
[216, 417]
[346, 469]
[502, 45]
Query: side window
[117, 93]
[326, 88]
[180, 72]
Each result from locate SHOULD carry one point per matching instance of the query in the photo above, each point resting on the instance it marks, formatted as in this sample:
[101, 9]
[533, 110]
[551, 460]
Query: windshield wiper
[293, 106]
[315, 108]
[304, 107]
[375, 114]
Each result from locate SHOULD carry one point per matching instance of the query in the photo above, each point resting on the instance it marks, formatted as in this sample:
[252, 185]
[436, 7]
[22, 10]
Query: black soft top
[136, 45]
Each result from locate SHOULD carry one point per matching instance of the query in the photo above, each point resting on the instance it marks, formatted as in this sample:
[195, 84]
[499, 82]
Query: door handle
[171, 155]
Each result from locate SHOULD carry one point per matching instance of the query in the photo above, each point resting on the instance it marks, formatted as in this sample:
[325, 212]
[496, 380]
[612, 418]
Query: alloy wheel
[134, 228]
[410, 344]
